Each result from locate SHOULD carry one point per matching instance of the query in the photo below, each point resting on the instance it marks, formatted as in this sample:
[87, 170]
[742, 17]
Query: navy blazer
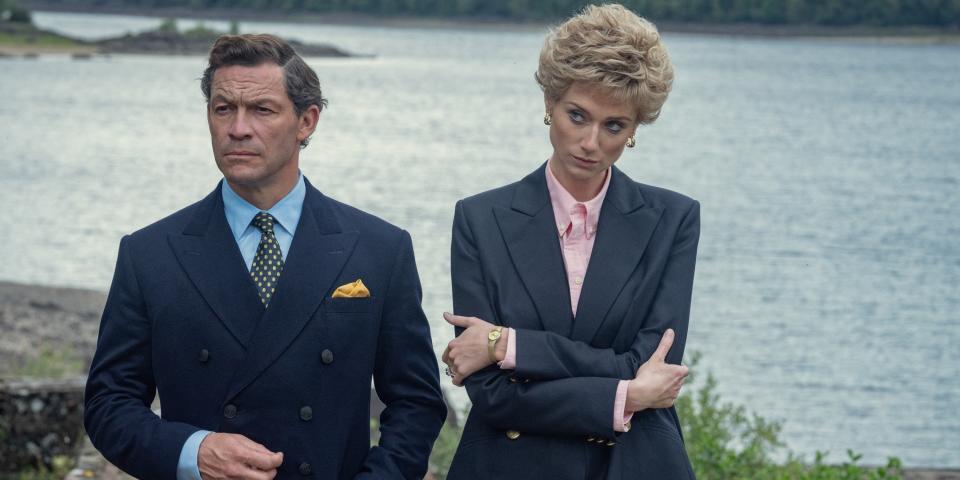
[183, 317]
[552, 417]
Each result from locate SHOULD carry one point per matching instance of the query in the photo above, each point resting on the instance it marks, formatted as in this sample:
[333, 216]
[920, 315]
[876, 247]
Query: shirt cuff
[621, 419]
[509, 361]
[187, 467]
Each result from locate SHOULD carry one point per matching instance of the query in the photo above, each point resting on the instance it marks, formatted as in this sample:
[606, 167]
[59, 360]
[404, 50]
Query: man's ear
[308, 122]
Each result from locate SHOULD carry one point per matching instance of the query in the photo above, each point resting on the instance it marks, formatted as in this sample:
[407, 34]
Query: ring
[448, 372]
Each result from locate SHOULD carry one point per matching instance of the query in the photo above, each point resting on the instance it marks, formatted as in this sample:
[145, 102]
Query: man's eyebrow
[266, 98]
[221, 96]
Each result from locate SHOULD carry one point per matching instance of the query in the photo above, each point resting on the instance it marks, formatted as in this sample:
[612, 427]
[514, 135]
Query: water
[827, 290]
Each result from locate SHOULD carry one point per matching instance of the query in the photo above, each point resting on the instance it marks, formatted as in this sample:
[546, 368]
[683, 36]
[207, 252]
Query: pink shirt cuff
[620, 415]
[510, 358]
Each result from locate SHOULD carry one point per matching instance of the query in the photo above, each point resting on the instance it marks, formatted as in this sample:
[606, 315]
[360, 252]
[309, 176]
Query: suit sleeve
[567, 406]
[547, 355]
[406, 379]
[121, 386]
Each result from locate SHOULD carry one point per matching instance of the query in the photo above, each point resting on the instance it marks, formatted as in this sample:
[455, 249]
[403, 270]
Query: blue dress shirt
[240, 214]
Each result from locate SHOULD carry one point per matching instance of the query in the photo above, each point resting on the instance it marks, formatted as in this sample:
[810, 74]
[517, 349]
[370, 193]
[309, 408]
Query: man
[261, 312]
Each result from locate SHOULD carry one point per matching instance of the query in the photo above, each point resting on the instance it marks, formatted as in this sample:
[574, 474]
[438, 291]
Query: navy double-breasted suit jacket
[183, 318]
[552, 417]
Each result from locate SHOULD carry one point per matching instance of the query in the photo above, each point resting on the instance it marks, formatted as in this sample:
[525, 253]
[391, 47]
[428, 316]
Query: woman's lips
[584, 161]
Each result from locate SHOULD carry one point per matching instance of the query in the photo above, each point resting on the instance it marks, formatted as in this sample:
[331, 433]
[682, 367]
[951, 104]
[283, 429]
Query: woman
[565, 281]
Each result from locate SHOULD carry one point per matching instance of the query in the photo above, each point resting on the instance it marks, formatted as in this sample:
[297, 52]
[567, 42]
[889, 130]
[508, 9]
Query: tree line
[938, 13]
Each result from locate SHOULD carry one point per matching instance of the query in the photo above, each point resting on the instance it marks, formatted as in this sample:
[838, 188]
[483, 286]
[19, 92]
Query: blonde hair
[613, 49]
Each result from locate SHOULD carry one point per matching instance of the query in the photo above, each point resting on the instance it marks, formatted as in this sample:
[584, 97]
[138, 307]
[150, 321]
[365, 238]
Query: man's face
[254, 127]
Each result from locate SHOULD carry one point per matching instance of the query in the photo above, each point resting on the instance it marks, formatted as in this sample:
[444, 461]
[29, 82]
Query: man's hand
[468, 352]
[657, 383]
[231, 456]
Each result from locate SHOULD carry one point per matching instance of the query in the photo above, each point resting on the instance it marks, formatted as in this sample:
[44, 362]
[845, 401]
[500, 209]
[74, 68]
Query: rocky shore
[47, 331]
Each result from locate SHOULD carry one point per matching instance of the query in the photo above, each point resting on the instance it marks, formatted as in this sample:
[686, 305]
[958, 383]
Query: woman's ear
[548, 103]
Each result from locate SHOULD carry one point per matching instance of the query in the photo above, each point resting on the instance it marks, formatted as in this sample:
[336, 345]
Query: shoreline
[900, 35]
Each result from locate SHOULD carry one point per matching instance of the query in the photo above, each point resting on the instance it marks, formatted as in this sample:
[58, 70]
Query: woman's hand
[657, 383]
[468, 352]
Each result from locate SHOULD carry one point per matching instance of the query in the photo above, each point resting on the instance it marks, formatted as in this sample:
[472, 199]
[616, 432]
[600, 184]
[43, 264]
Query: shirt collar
[563, 203]
[286, 212]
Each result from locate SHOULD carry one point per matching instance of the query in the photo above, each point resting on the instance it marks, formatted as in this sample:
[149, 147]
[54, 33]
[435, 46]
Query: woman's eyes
[613, 126]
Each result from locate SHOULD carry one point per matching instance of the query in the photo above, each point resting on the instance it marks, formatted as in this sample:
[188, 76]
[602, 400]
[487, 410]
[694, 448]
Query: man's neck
[265, 197]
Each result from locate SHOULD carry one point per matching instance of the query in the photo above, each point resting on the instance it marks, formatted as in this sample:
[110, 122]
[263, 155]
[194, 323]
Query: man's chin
[241, 175]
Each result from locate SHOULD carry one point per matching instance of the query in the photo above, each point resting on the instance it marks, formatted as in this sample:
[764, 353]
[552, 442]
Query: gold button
[590, 439]
[513, 434]
[611, 443]
[514, 380]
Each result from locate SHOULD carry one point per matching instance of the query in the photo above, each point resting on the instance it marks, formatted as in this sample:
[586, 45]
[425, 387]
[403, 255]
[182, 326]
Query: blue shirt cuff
[187, 467]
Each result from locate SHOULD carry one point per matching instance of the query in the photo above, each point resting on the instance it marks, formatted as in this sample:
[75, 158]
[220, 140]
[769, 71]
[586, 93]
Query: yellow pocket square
[352, 290]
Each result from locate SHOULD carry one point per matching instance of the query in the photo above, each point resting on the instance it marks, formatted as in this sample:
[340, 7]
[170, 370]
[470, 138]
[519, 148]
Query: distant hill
[878, 13]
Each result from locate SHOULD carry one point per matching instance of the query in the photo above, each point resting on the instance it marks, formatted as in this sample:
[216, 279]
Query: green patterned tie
[268, 263]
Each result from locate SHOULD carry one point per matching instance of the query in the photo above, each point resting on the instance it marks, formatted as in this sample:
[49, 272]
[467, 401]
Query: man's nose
[591, 139]
[240, 127]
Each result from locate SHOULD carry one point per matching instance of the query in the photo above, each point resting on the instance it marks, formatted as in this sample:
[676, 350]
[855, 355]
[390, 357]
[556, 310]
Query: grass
[37, 40]
[20, 34]
[50, 363]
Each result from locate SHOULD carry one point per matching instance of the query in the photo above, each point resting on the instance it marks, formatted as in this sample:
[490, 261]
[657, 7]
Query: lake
[828, 283]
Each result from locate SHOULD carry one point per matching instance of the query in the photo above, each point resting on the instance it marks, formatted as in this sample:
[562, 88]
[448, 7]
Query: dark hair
[300, 81]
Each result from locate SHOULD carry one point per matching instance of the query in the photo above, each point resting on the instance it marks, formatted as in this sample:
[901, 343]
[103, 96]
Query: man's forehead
[233, 80]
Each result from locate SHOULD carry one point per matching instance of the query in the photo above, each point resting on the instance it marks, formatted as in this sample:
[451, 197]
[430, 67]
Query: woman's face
[588, 132]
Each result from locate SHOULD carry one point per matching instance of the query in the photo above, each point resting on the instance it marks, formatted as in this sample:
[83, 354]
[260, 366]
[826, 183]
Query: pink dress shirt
[577, 230]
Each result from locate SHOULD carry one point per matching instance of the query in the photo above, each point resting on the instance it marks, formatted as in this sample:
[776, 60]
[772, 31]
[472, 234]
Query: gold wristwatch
[492, 338]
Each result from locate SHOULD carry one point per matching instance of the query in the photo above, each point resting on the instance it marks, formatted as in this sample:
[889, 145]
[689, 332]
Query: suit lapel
[317, 255]
[530, 233]
[623, 231]
[209, 255]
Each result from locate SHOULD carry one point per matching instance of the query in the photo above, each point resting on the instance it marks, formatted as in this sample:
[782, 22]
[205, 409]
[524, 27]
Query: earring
[547, 119]
[631, 142]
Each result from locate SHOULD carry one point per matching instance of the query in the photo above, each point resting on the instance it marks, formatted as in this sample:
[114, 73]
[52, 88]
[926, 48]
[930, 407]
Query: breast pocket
[348, 305]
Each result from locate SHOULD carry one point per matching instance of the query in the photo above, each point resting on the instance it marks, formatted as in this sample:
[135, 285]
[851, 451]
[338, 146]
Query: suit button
[326, 356]
[204, 355]
[230, 411]
[590, 439]
[514, 380]
[306, 414]
[305, 469]
[513, 434]
[611, 443]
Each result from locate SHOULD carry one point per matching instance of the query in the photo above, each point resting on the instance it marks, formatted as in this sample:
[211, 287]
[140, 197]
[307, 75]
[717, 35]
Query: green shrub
[724, 441]
[59, 469]
[10, 11]
[168, 25]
